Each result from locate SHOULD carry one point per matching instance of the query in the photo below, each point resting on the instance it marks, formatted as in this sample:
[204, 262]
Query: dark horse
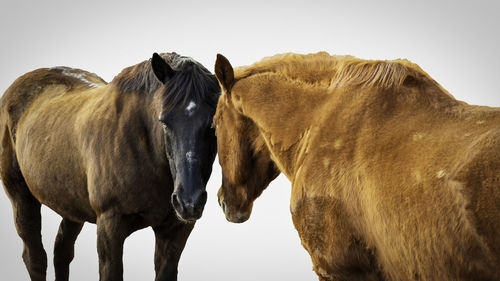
[133, 153]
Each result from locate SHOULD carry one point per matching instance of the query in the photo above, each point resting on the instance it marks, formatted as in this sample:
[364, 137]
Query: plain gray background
[456, 42]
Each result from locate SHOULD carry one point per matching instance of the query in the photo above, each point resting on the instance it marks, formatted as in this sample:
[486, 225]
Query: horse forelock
[192, 82]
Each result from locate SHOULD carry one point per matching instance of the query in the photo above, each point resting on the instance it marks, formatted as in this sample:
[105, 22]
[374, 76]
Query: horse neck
[139, 111]
[283, 113]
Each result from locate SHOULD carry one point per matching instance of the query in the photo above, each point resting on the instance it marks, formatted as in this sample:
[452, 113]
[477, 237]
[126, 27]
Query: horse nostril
[175, 202]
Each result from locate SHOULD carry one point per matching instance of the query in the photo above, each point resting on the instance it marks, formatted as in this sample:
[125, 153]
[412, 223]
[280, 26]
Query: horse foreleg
[170, 241]
[64, 247]
[112, 229]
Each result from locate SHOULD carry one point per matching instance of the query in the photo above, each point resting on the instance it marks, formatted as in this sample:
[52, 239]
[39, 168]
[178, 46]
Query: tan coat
[392, 178]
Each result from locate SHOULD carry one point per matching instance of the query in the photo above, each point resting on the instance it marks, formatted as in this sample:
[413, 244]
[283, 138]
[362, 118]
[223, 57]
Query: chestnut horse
[392, 178]
[133, 153]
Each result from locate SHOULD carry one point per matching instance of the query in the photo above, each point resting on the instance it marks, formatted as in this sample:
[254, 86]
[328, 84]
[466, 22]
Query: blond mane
[333, 71]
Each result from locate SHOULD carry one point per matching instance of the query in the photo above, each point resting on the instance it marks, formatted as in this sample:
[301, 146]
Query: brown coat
[133, 153]
[392, 178]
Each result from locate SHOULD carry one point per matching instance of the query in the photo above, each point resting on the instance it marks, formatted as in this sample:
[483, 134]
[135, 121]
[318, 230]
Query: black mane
[191, 82]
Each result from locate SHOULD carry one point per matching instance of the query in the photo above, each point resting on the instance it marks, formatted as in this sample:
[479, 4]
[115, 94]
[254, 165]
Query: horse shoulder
[479, 175]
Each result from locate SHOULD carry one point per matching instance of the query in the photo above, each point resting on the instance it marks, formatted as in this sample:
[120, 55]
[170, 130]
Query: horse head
[188, 102]
[247, 167]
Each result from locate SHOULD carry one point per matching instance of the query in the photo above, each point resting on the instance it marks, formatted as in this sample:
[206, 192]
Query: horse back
[32, 85]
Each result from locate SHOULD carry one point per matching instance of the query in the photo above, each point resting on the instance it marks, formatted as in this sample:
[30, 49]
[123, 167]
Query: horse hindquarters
[336, 252]
[26, 209]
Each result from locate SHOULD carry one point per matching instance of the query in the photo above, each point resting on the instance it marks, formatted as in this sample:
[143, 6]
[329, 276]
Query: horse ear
[161, 69]
[224, 72]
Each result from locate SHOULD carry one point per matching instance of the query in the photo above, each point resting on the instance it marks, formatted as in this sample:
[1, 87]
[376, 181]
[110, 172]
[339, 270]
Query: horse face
[191, 148]
[247, 168]
[190, 142]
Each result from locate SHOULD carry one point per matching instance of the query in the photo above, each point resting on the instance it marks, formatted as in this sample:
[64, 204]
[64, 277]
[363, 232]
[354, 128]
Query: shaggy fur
[95, 152]
[392, 178]
[193, 82]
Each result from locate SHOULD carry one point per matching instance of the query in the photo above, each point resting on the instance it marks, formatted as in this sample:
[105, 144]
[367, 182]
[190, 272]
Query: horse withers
[392, 178]
[133, 153]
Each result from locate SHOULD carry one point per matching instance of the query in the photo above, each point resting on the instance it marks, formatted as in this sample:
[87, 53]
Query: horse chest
[314, 225]
[327, 233]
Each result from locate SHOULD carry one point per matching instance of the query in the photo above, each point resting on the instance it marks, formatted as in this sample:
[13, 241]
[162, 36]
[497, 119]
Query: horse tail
[12, 105]
[18, 97]
[6, 135]
[8, 107]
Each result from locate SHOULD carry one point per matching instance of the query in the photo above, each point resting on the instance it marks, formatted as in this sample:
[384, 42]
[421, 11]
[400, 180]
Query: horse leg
[112, 230]
[26, 211]
[170, 241]
[64, 247]
[29, 226]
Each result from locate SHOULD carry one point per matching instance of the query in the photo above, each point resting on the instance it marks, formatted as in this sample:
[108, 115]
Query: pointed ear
[224, 72]
[161, 69]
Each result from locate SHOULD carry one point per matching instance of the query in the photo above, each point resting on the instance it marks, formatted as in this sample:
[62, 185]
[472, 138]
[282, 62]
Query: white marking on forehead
[190, 108]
